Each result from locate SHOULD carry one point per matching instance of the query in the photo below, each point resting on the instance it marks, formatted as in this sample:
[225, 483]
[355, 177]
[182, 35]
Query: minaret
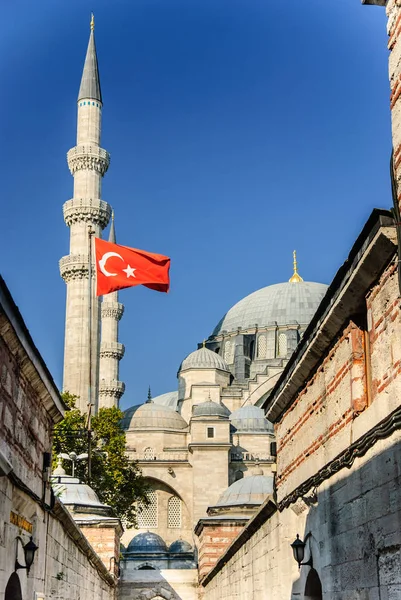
[111, 351]
[88, 162]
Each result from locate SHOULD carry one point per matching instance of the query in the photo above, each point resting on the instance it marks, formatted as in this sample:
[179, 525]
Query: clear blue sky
[238, 129]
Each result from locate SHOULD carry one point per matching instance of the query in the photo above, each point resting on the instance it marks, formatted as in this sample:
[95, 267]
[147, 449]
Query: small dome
[147, 542]
[283, 303]
[210, 409]
[252, 490]
[251, 419]
[204, 359]
[72, 492]
[180, 546]
[152, 416]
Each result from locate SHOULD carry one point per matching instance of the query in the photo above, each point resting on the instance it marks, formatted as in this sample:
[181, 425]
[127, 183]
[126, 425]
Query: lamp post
[29, 554]
[298, 549]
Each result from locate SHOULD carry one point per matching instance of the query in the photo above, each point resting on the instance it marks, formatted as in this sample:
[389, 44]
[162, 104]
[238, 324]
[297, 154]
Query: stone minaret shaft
[111, 351]
[88, 162]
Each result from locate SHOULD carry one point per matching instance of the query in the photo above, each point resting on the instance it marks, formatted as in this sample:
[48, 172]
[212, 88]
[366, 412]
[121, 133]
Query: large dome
[152, 416]
[282, 303]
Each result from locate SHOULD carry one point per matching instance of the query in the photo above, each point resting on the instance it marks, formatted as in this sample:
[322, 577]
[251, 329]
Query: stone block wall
[317, 425]
[214, 539]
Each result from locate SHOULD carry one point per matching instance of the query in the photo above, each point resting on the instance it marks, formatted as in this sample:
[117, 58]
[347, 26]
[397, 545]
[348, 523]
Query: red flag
[118, 267]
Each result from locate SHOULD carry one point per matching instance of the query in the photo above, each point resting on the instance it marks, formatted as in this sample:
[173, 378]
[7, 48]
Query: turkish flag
[119, 267]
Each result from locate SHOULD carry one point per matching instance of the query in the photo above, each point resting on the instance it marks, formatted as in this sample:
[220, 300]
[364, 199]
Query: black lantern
[29, 554]
[298, 549]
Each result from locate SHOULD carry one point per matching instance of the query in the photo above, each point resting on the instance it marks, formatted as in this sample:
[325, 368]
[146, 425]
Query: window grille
[210, 432]
[149, 454]
[282, 344]
[229, 352]
[147, 515]
[262, 346]
[174, 512]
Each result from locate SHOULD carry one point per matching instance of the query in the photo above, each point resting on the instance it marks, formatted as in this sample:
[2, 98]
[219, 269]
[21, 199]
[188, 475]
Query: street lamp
[298, 549]
[29, 554]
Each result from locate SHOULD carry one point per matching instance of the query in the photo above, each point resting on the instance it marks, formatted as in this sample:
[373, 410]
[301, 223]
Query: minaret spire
[111, 351]
[88, 163]
[90, 82]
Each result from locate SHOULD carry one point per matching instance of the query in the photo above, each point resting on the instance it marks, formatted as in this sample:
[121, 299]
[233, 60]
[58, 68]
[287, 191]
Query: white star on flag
[130, 271]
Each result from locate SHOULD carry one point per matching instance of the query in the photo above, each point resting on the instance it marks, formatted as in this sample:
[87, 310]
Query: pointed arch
[313, 586]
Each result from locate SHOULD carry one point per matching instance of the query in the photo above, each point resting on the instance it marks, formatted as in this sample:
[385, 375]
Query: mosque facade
[206, 448]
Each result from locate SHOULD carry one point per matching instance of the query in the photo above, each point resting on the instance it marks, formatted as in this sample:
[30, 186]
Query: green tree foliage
[117, 481]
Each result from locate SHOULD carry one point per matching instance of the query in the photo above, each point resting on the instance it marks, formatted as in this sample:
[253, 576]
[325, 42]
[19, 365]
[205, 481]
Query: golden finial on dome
[204, 344]
[296, 278]
[92, 22]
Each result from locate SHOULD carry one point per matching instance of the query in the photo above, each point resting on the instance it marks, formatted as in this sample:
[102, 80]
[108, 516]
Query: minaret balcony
[88, 210]
[111, 388]
[73, 267]
[89, 158]
[112, 350]
[113, 310]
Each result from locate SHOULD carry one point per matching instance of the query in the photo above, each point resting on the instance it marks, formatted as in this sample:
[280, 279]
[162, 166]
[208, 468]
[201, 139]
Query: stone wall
[168, 584]
[355, 521]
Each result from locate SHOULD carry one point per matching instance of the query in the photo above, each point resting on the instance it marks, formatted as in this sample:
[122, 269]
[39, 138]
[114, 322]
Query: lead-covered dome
[251, 491]
[153, 416]
[250, 419]
[282, 303]
[204, 359]
[180, 546]
[147, 542]
[210, 409]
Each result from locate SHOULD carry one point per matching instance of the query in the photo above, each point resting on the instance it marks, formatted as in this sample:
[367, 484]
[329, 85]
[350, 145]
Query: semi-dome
[180, 546]
[251, 419]
[282, 303]
[146, 542]
[210, 409]
[169, 399]
[204, 359]
[152, 416]
[252, 490]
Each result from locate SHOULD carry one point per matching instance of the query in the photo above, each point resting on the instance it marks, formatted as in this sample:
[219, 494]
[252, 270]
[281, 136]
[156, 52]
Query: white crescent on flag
[103, 260]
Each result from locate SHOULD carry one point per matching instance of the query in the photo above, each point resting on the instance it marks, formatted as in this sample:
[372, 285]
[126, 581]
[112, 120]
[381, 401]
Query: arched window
[229, 352]
[149, 454]
[174, 512]
[262, 346]
[313, 586]
[282, 345]
[147, 515]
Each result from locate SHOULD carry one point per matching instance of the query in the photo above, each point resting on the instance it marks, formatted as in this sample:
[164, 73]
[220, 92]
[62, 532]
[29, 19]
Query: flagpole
[90, 293]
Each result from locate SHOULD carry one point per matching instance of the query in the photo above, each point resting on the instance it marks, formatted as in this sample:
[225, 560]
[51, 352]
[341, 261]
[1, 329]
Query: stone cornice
[111, 388]
[88, 158]
[74, 266]
[112, 309]
[112, 350]
[87, 210]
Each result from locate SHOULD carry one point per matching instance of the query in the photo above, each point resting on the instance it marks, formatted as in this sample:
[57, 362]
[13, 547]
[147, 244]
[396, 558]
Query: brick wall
[214, 539]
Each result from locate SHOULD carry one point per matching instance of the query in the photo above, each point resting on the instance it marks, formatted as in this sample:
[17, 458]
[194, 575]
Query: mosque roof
[204, 359]
[152, 416]
[90, 82]
[147, 542]
[282, 303]
[71, 491]
[251, 419]
[249, 490]
[210, 409]
[180, 546]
